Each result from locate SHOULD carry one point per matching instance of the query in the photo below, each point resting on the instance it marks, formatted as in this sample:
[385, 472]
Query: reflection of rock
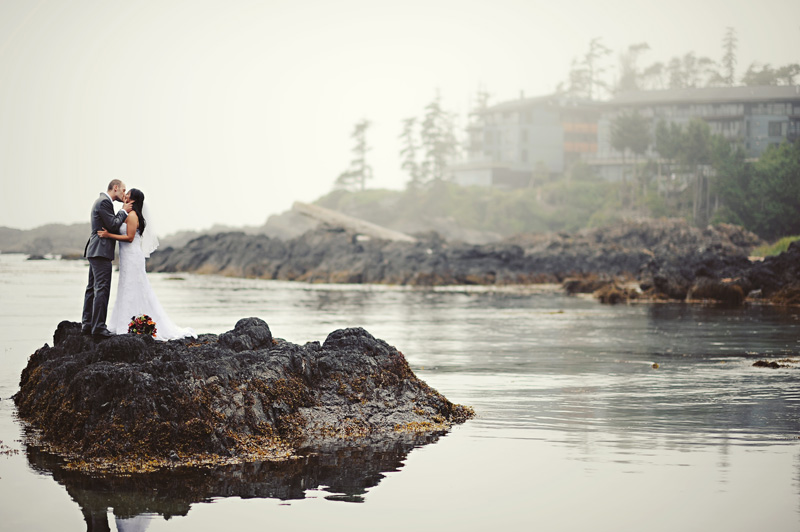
[344, 473]
[131, 403]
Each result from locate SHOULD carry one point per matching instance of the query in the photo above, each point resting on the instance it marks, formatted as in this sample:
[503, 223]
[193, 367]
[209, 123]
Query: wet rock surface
[130, 403]
[666, 258]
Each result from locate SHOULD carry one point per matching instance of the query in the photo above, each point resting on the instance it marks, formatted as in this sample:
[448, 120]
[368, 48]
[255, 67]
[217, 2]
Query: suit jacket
[103, 216]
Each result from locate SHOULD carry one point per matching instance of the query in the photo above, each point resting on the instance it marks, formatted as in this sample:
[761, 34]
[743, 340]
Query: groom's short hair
[114, 183]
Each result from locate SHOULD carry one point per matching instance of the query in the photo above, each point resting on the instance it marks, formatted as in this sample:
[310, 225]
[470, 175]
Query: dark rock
[612, 294]
[728, 291]
[778, 276]
[248, 334]
[132, 403]
[670, 259]
[585, 284]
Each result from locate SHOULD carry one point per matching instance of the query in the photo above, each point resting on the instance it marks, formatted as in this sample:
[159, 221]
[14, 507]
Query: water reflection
[341, 473]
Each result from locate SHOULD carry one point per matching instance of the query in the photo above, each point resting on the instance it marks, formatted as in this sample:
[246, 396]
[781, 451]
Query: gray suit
[100, 252]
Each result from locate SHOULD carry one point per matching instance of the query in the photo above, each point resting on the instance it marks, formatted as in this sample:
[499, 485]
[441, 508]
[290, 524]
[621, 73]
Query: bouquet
[143, 324]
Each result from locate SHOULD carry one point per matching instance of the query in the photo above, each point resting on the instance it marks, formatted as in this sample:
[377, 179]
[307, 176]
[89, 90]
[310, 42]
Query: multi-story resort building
[512, 141]
[509, 142]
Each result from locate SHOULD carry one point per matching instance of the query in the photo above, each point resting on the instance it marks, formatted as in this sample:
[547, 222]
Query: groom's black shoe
[86, 332]
[102, 335]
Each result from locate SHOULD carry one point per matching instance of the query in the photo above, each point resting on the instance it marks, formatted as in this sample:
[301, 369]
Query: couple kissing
[133, 228]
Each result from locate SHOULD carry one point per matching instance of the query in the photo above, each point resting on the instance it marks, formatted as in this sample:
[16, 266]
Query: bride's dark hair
[137, 197]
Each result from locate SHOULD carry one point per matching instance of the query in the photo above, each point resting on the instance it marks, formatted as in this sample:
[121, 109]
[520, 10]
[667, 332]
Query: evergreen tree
[586, 77]
[689, 71]
[754, 77]
[696, 154]
[729, 58]
[594, 69]
[438, 140]
[408, 153]
[631, 78]
[668, 140]
[763, 196]
[784, 75]
[359, 171]
[653, 76]
[630, 132]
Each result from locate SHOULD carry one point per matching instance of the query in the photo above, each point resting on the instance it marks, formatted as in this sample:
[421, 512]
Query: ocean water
[575, 429]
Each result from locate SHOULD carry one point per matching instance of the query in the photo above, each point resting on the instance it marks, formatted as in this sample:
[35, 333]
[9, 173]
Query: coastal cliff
[657, 259]
[131, 403]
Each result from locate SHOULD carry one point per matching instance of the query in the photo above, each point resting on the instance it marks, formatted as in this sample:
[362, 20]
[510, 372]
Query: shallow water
[575, 428]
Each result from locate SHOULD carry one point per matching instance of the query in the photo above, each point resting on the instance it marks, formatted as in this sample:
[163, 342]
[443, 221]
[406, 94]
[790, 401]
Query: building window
[524, 156]
[775, 129]
[523, 135]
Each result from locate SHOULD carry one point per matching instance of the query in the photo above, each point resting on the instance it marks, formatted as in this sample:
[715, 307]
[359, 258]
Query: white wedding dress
[135, 296]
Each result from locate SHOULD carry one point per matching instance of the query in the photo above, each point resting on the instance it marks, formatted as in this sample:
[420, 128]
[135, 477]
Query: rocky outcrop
[778, 278]
[667, 259]
[131, 403]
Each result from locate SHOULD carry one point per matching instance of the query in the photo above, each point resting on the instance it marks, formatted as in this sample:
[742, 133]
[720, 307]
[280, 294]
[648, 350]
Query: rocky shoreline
[132, 404]
[663, 259]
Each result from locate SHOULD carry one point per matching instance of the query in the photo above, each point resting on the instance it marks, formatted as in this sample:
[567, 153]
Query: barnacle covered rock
[131, 403]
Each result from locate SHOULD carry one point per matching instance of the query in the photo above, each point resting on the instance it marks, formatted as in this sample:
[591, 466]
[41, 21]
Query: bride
[135, 296]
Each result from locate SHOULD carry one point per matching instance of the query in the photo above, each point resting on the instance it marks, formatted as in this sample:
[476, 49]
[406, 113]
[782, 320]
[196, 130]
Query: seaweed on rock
[130, 403]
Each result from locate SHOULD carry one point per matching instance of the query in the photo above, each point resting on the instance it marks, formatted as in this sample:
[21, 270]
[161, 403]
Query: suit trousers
[95, 300]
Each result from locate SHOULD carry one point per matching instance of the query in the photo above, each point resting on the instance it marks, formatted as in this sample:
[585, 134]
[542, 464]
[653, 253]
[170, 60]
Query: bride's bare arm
[133, 225]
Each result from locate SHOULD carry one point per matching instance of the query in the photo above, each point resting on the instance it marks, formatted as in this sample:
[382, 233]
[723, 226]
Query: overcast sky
[229, 111]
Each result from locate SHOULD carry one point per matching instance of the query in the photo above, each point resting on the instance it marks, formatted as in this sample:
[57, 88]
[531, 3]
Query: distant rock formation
[51, 239]
[131, 403]
[653, 259]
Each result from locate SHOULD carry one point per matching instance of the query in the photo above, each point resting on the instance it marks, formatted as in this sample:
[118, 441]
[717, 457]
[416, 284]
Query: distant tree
[754, 77]
[668, 140]
[696, 155]
[476, 116]
[597, 51]
[586, 76]
[481, 103]
[689, 71]
[729, 57]
[408, 153]
[630, 132]
[630, 78]
[653, 76]
[786, 74]
[767, 75]
[438, 141]
[732, 176]
[577, 84]
[592, 60]
[763, 196]
[359, 171]
[775, 191]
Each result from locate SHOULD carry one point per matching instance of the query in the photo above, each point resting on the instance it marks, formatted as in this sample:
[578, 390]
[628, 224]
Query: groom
[100, 252]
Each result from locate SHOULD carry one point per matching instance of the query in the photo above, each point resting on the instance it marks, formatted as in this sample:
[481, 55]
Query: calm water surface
[575, 429]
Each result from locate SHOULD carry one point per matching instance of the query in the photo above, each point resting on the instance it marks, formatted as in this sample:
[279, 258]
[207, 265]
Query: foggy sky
[228, 111]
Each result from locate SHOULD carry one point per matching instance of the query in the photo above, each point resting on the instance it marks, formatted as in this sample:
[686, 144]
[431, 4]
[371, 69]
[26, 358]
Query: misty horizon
[224, 114]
